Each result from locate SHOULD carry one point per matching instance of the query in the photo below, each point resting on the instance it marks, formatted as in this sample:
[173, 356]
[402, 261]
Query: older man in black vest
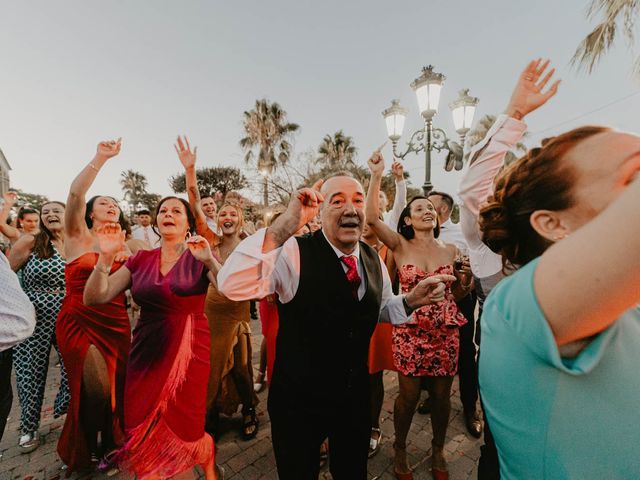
[332, 290]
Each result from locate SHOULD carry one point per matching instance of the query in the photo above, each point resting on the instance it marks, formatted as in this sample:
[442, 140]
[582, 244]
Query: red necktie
[352, 272]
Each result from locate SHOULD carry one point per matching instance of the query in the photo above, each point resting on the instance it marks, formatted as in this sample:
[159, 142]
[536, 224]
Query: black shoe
[425, 407]
[474, 425]
[249, 424]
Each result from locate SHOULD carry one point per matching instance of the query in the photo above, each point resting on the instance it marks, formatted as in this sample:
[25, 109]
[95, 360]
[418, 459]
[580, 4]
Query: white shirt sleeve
[248, 273]
[17, 315]
[391, 307]
[485, 161]
[399, 202]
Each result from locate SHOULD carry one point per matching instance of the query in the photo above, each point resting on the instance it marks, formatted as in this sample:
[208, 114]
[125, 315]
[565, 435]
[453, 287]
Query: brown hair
[538, 181]
[42, 246]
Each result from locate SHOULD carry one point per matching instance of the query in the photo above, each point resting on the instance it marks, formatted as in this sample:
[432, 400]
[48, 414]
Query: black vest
[324, 333]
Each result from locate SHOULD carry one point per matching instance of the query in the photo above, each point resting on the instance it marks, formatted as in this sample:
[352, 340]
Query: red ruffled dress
[429, 344]
[168, 370]
[79, 326]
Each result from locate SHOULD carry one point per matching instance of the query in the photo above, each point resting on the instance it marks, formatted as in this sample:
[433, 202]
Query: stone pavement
[253, 459]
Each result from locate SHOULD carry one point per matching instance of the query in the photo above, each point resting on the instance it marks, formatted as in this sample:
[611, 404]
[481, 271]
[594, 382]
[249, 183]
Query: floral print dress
[429, 343]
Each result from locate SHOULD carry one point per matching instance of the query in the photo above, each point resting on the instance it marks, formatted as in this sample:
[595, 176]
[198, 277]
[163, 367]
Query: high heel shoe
[439, 474]
[401, 476]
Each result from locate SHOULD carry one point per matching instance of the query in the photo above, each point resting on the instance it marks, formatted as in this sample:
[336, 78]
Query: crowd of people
[530, 299]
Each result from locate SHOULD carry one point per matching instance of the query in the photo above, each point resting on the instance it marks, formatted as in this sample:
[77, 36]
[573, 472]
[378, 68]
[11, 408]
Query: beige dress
[230, 352]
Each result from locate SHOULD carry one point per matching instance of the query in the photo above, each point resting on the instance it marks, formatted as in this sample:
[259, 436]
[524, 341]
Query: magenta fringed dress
[168, 369]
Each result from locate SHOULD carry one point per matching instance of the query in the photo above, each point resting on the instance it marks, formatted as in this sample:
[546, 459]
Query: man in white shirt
[332, 289]
[467, 365]
[210, 210]
[145, 231]
[17, 321]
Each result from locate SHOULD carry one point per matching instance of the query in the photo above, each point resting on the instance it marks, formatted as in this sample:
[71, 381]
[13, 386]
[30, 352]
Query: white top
[248, 273]
[147, 234]
[17, 315]
[213, 226]
[391, 217]
[452, 233]
[485, 160]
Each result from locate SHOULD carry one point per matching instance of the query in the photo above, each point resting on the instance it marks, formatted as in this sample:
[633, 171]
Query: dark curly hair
[89, 210]
[407, 230]
[191, 219]
[540, 180]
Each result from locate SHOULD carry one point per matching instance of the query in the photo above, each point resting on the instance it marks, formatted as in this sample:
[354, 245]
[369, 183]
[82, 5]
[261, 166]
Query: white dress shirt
[452, 233]
[147, 234]
[391, 217]
[248, 273]
[485, 161]
[17, 315]
[213, 226]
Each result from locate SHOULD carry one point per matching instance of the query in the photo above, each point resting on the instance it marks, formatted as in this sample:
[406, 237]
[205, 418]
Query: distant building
[4, 174]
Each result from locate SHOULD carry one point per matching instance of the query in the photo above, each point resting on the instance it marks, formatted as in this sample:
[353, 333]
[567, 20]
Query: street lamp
[428, 87]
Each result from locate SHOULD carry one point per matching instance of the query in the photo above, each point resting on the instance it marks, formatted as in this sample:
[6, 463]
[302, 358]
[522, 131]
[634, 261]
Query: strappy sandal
[374, 443]
[251, 424]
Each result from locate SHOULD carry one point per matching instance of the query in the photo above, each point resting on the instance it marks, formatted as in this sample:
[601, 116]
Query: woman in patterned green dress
[40, 259]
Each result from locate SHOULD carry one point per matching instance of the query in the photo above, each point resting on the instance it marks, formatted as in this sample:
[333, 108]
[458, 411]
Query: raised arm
[12, 233]
[201, 251]
[20, 252]
[487, 157]
[74, 224]
[372, 210]
[102, 287]
[188, 159]
[582, 298]
[400, 199]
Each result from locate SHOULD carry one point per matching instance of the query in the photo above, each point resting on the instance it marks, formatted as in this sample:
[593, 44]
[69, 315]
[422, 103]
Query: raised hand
[397, 170]
[187, 157]
[527, 94]
[110, 239]
[376, 163]
[200, 249]
[10, 198]
[305, 204]
[428, 291]
[109, 148]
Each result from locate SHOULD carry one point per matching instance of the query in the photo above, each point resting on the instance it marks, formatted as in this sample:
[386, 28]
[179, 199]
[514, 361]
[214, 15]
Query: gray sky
[76, 72]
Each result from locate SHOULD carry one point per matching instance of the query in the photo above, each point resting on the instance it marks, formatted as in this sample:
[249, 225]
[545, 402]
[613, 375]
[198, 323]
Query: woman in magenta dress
[94, 341]
[166, 385]
[428, 344]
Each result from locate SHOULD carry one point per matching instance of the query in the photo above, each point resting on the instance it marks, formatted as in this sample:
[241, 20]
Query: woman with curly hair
[561, 335]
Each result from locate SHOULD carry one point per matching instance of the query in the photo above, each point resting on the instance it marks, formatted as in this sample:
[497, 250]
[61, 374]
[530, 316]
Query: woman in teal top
[560, 355]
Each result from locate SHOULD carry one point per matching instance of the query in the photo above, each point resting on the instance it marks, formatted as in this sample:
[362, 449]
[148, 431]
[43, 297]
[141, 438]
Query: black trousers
[6, 392]
[467, 360]
[298, 430]
[488, 464]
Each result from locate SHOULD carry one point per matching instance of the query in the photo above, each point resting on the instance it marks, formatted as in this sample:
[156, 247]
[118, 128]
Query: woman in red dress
[168, 366]
[94, 341]
[428, 344]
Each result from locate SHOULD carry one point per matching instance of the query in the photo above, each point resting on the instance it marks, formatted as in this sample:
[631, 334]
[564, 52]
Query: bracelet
[100, 269]
[94, 167]
[406, 305]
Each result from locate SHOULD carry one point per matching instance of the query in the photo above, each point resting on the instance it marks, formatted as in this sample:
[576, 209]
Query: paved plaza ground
[253, 459]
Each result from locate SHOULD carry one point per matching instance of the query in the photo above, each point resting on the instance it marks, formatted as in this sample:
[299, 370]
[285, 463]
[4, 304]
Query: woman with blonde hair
[231, 377]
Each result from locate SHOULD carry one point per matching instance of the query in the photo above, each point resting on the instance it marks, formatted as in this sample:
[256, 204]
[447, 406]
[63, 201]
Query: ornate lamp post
[427, 87]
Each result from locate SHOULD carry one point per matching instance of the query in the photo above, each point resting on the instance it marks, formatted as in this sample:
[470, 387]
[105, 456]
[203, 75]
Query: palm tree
[337, 151]
[267, 140]
[599, 41]
[480, 131]
[134, 187]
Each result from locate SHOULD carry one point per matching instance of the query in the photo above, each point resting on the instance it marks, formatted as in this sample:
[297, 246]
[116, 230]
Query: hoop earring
[188, 235]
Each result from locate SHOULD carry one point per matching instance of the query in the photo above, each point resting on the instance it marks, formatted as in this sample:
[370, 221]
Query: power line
[619, 100]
